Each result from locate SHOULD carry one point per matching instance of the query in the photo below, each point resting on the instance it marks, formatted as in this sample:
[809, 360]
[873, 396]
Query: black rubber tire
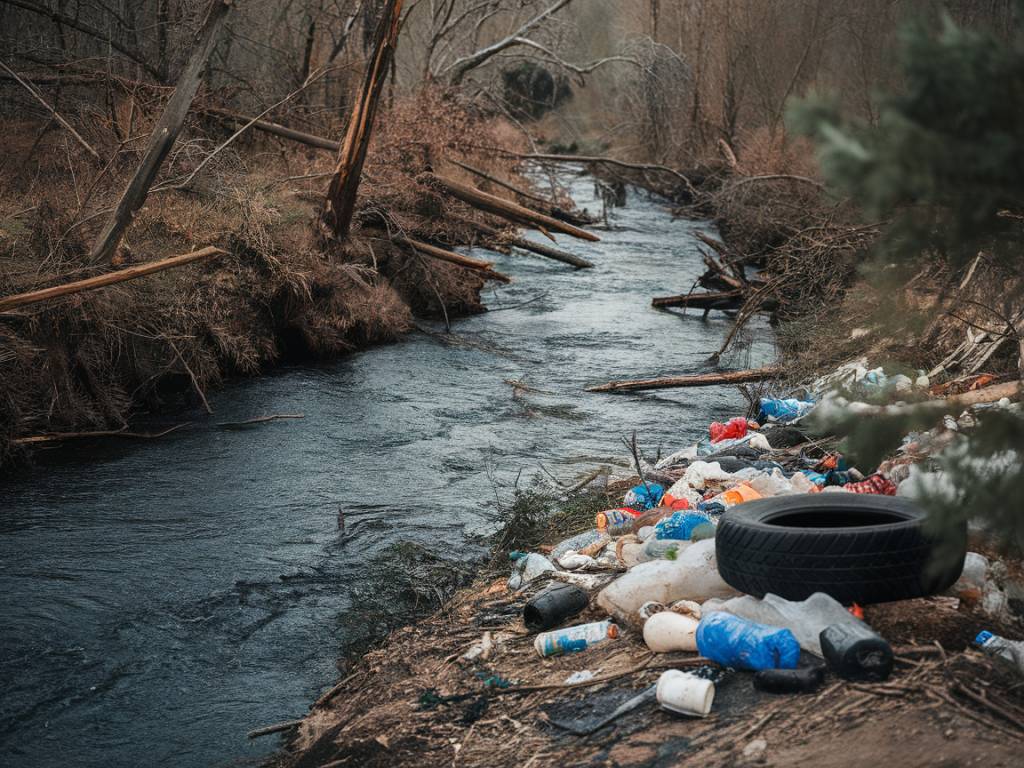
[856, 548]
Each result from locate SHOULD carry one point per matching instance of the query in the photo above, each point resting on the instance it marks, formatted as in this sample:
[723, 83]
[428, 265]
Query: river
[162, 598]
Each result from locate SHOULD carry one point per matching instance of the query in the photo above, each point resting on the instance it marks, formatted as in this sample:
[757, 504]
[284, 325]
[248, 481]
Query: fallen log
[55, 437]
[275, 728]
[277, 129]
[101, 281]
[483, 267]
[528, 245]
[552, 209]
[259, 420]
[164, 134]
[711, 300]
[505, 209]
[697, 380]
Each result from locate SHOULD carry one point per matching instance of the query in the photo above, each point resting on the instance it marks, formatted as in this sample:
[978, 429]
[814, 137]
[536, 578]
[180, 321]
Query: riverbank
[466, 686]
[120, 360]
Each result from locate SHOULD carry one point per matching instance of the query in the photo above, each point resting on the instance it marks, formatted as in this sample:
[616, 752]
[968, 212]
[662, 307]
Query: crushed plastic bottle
[526, 568]
[680, 526]
[734, 642]
[1008, 650]
[805, 619]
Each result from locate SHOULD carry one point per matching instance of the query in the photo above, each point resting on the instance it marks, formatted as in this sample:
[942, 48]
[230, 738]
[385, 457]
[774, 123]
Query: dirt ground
[415, 701]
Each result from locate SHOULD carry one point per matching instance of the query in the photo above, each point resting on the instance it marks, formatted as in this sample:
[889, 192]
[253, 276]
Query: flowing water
[160, 599]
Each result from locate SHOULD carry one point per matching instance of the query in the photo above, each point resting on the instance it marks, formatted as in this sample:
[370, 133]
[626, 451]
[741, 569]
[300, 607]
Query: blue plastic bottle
[734, 642]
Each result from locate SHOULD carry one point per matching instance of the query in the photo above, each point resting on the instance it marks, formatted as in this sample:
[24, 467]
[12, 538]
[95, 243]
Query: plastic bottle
[693, 575]
[577, 543]
[680, 526]
[1010, 650]
[854, 652]
[616, 520]
[526, 567]
[574, 639]
[805, 619]
[554, 605]
[668, 631]
[735, 642]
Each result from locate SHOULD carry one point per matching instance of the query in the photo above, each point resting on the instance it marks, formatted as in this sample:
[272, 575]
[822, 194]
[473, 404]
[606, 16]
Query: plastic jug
[854, 652]
[693, 575]
[805, 619]
[735, 642]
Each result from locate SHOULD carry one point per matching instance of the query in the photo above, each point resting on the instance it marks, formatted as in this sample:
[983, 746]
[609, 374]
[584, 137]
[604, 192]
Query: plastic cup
[684, 693]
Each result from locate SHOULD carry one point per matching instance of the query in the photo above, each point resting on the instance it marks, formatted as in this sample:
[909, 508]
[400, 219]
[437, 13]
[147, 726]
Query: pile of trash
[655, 566]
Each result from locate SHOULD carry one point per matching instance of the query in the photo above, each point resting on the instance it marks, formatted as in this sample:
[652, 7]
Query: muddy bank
[122, 358]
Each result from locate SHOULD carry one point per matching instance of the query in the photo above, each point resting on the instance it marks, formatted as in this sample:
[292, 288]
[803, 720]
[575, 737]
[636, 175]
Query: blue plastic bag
[643, 497]
[789, 409]
[734, 642]
[680, 526]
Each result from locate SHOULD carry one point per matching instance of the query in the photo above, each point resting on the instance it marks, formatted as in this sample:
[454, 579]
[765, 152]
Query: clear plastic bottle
[1009, 650]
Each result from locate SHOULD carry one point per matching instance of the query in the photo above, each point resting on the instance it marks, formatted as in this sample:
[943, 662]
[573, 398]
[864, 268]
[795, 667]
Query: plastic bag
[789, 409]
[643, 497]
[732, 429]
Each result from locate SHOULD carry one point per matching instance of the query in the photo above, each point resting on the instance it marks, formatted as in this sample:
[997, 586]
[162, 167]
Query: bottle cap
[983, 637]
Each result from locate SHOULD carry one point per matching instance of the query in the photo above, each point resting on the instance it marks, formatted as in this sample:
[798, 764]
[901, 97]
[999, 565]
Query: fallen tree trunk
[340, 204]
[712, 300]
[553, 210]
[164, 134]
[697, 380]
[277, 129]
[528, 245]
[483, 267]
[110, 278]
[505, 209]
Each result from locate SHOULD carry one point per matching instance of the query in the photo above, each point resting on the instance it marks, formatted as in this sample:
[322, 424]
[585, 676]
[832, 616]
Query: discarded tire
[858, 549]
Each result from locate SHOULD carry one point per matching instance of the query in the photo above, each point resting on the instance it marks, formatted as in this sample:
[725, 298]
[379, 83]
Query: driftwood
[592, 160]
[434, 252]
[711, 300]
[505, 209]
[529, 245]
[276, 728]
[698, 380]
[259, 420]
[550, 207]
[340, 204]
[55, 437]
[276, 129]
[101, 281]
[164, 134]
[56, 115]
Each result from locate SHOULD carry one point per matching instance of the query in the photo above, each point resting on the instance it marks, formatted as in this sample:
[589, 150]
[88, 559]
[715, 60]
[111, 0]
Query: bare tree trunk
[340, 204]
[164, 134]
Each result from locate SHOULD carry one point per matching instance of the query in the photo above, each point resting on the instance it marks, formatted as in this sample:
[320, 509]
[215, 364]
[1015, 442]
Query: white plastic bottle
[1010, 650]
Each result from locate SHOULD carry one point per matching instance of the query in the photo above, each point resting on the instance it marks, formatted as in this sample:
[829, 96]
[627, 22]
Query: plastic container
[854, 652]
[614, 521]
[527, 567]
[685, 693]
[574, 639]
[1008, 650]
[669, 631]
[800, 680]
[805, 619]
[555, 605]
[693, 575]
[680, 526]
[734, 642]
